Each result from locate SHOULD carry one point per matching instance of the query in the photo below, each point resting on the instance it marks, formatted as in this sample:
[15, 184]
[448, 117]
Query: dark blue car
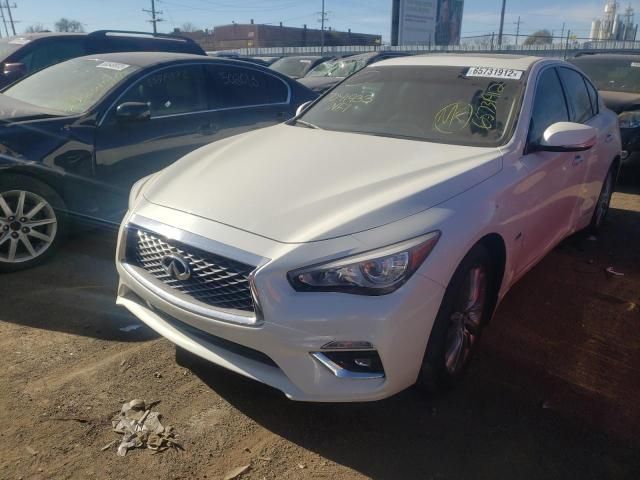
[74, 137]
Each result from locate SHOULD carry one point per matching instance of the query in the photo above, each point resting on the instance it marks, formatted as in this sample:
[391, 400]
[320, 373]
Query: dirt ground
[552, 394]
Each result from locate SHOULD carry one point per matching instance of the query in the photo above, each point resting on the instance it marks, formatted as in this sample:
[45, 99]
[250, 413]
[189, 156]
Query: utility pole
[323, 19]
[13, 27]
[4, 21]
[518, 23]
[504, 7]
[154, 16]
[562, 34]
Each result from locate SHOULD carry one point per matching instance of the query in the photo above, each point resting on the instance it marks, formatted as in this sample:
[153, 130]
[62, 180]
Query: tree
[188, 27]
[35, 28]
[541, 37]
[66, 25]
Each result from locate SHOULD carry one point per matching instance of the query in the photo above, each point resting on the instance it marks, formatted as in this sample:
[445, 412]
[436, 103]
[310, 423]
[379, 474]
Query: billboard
[416, 21]
[449, 22]
[421, 22]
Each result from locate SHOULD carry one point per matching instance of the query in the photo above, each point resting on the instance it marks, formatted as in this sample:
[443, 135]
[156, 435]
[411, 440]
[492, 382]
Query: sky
[366, 16]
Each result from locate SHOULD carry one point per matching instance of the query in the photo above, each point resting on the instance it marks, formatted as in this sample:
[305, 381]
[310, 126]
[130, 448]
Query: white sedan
[361, 248]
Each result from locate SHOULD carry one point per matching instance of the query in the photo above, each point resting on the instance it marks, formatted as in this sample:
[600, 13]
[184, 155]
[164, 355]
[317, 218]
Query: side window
[549, 105]
[54, 51]
[229, 86]
[170, 91]
[577, 95]
[593, 96]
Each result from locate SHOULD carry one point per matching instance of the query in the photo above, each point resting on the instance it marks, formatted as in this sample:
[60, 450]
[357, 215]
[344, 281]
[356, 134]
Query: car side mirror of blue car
[133, 112]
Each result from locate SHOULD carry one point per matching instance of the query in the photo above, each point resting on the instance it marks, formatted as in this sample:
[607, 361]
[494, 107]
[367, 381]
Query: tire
[30, 234]
[455, 326]
[604, 201]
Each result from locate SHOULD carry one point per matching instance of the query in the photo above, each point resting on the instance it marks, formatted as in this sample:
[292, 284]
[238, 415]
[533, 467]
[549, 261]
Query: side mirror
[133, 112]
[14, 70]
[302, 108]
[568, 137]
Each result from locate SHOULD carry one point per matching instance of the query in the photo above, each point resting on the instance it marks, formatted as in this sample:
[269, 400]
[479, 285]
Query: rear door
[180, 122]
[246, 98]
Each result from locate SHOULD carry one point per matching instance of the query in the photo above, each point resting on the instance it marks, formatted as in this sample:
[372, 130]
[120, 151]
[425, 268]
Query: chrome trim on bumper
[340, 372]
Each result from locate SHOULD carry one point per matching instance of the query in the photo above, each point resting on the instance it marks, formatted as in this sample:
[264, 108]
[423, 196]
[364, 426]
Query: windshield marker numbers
[113, 66]
[488, 72]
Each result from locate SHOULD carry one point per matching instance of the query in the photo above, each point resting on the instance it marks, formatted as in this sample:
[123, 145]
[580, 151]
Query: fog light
[354, 365]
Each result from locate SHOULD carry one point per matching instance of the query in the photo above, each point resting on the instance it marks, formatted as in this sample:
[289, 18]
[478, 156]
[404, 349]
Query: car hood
[320, 84]
[621, 101]
[296, 185]
[12, 110]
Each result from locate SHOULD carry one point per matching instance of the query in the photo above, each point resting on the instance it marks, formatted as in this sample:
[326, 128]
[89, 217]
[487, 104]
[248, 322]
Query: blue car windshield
[79, 84]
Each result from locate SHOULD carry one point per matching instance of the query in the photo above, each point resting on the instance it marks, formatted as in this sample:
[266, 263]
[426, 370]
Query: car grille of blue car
[215, 281]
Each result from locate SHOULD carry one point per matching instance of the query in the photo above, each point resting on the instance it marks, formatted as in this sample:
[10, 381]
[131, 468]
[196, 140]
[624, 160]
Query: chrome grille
[216, 281]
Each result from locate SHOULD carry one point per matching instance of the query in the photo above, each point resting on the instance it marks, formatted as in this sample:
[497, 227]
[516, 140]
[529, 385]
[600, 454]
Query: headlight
[629, 119]
[136, 189]
[378, 272]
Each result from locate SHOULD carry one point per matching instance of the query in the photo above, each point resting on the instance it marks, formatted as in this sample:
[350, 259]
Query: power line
[154, 16]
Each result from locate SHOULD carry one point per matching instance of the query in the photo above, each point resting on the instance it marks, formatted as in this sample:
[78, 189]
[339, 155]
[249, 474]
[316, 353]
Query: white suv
[360, 248]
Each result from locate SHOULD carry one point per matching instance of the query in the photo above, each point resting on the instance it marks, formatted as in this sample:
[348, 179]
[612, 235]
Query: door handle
[578, 159]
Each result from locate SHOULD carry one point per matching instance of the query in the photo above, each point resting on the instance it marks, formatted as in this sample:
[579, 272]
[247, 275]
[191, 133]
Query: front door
[547, 193]
[180, 122]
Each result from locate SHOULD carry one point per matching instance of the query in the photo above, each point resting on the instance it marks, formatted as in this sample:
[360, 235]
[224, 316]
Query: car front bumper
[279, 349]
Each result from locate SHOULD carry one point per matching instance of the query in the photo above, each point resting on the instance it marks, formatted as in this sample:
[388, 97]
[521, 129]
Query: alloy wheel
[466, 321]
[28, 226]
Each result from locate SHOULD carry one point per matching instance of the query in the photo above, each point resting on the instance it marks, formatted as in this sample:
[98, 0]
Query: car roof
[302, 57]
[606, 56]
[517, 62]
[147, 59]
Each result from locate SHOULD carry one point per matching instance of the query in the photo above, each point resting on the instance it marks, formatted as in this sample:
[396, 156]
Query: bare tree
[541, 37]
[66, 25]
[188, 27]
[35, 28]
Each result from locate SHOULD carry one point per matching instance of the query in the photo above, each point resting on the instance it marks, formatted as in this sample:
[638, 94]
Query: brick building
[228, 37]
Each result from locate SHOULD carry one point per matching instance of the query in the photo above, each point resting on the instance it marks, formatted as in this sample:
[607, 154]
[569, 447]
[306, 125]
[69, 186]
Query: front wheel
[466, 308]
[31, 222]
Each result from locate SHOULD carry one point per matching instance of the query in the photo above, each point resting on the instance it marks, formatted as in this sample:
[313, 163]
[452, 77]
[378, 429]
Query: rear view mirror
[133, 112]
[302, 108]
[568, 137]
[14, 70]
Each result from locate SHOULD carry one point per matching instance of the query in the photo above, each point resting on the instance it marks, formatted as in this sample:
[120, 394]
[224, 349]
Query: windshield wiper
[307, 124]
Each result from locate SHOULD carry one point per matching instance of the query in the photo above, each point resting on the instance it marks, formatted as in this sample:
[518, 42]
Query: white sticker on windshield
[20, 41]
[635, 64]
[113, 66]
[490, 72]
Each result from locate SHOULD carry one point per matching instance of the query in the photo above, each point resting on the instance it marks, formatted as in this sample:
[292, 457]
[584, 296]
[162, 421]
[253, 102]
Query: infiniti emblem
[176, 267]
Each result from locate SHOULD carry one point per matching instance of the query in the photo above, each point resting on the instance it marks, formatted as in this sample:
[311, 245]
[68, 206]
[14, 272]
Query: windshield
[78, 84]
[293, 66]
[338, 68]
[435, 104]
[611, 74]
